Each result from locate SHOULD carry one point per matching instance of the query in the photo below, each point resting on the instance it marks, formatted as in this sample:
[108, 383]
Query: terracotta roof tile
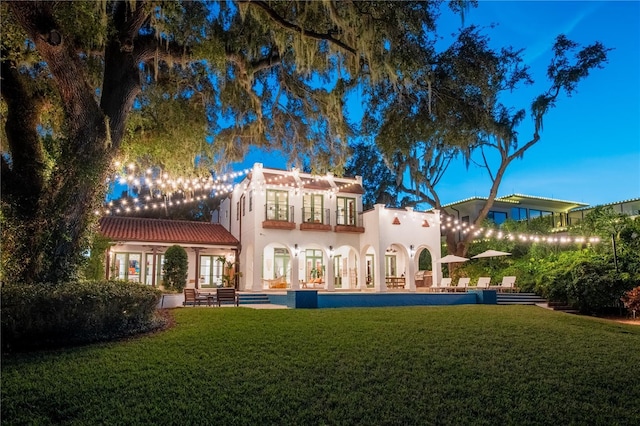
[350, 189]
[165, 231]
[279, 179]
[310, 183]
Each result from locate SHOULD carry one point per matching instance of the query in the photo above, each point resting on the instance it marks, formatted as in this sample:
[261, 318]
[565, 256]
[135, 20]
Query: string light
[162, 187]
[450, 223]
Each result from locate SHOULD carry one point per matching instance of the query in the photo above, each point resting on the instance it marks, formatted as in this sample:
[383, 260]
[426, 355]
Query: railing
[349, 219]
[313, 215]
[278, 212]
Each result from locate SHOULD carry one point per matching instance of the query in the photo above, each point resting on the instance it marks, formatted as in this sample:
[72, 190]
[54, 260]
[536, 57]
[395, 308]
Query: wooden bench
[227, 295]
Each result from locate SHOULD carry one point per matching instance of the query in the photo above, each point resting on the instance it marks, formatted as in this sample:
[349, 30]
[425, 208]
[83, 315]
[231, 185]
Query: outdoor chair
[227, 295]
[192, 298]
[280, 282]
[508, 284]
[463, 283]
[445, 284]
[483, 282]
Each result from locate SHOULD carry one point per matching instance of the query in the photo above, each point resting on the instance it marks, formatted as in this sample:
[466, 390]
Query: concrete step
[253, 299]
[519, 299]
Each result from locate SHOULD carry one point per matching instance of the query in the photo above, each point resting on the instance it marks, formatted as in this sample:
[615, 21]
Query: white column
[295, 265]
[379, 278]
[328, 276]
[362, 271]
[256, 276]
[411, 272]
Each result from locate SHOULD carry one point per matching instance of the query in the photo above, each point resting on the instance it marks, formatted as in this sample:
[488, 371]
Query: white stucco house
[281, 230]
[298, 230]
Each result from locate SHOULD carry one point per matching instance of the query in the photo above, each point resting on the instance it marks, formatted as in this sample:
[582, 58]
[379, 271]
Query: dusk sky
[590, 145]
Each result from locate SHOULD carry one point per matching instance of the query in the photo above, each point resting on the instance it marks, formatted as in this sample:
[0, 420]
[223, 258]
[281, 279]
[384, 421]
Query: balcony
[316, 220]
[278, 216]
[349, 222]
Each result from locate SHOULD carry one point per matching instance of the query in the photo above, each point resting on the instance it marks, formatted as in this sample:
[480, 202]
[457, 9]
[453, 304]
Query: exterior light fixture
[412, 250]
[330, 252]
[296, 250]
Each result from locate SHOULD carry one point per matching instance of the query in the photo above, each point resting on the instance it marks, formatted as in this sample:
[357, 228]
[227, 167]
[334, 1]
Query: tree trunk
[48, 213]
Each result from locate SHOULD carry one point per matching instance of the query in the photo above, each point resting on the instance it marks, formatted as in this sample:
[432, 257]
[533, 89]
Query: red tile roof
[310, 183]
[355, 188]
[165, 231]
[279, 179]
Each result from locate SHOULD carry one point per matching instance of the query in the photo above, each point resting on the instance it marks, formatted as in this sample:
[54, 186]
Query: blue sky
[590, 145]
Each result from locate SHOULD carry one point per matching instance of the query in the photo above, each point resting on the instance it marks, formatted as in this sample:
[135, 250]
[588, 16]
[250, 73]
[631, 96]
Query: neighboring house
[516, 207]
[629, 207]
[139, 244]
[299, 230]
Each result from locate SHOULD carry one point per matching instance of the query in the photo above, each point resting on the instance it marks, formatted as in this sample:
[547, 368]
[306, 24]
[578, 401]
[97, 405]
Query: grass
[420, 365]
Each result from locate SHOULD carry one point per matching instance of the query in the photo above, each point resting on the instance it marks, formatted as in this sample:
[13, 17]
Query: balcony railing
[348, 218]
[279, 212]
[278, 216]
[349, 222]
[316, 219]
[313, 215]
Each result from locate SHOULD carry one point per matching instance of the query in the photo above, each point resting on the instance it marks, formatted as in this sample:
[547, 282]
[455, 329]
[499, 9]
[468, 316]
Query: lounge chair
[508, 284]
[280, 282]
[483, 282]
[445, 284]
[463, 283]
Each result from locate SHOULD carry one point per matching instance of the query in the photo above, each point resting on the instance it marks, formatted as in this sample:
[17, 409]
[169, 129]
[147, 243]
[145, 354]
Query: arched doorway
[424, 271]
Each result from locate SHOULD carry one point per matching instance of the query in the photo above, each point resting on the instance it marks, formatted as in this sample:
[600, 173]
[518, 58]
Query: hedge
[47, 315]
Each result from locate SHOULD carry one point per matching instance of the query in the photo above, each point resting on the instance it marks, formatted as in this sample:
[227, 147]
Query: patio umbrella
[491, 253]
[451, 258]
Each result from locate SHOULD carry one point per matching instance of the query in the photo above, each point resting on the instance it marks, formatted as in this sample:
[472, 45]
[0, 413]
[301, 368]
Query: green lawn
[421, 365]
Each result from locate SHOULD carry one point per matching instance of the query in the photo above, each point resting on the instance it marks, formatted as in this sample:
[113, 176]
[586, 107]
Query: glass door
[148, 269]
[370, 270]
[281, 260]
[337, 271]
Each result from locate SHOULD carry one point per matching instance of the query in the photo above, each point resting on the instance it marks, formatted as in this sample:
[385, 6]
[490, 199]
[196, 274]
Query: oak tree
[452, 109]
[182, 85]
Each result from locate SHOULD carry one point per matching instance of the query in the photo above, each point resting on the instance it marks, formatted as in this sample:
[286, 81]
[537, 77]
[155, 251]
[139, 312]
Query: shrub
[175, 268]
[94, 267]
[631, 300]
[585, 280]
[47, 315]
[594, 287]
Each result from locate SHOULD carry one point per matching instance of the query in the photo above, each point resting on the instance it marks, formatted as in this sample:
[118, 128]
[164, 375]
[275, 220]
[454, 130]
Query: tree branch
[149, 47]
[25, 175]
[68, 71]
[123, 53]
[294, 27]
[267, 62]
[128, 22]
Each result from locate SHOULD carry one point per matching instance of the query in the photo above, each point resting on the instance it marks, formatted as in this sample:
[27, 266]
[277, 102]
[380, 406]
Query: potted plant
[228, 272]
